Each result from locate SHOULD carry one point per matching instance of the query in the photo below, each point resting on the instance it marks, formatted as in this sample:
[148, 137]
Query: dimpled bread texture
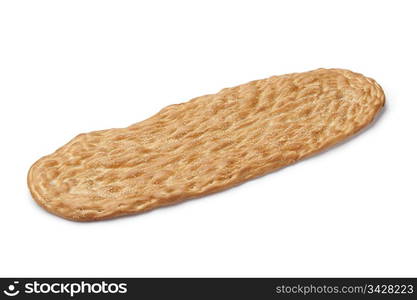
[204, 145]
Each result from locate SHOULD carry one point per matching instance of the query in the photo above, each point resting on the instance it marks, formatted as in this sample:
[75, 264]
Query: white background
[68, 67]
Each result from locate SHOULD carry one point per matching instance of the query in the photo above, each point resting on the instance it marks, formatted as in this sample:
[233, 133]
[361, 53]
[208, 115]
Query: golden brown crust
[204, 145]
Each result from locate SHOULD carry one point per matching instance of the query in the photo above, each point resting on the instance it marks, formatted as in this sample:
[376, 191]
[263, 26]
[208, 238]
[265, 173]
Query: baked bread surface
[204, 145]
